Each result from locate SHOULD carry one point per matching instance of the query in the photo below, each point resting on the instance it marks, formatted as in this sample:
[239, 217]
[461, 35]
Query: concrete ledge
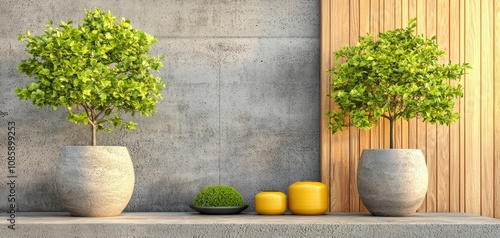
[172, 224]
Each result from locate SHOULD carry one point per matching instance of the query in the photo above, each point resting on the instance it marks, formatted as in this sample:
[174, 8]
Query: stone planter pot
[392, 182]
[95, 181]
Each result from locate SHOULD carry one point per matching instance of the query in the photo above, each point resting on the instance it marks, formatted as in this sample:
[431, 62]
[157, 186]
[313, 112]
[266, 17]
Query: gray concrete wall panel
[241, 106]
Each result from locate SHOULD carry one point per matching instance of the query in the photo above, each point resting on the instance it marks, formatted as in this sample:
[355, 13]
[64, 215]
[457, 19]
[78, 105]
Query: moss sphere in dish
[218, 196]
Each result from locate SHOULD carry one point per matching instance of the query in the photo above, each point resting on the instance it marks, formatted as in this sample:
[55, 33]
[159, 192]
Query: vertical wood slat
[462, 110]
[443, 132]
[431, 140]
[402, 13]
[412, 123]
[364, 28]
[472, 108]
[454, 135]
[400, 137]
[486, 108]
[387, 23]
[340, 152]
[497, 107]
[463, 159]
[374, 28]
[325, 101]
[354, 132]
[421, 8]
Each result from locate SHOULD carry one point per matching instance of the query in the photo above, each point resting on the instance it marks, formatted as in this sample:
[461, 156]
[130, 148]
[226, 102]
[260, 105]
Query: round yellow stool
[270, 203]
[308, 198]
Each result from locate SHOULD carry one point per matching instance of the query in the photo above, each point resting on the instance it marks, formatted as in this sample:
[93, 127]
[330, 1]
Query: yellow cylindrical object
[308, 198]
[270, 203]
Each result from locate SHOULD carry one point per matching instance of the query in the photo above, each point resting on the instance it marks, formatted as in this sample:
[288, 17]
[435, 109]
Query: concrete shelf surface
[190, 224]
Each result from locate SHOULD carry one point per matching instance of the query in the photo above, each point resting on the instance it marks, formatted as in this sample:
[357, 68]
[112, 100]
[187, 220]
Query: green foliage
[218, 196]
[395, 76]
[98, 70]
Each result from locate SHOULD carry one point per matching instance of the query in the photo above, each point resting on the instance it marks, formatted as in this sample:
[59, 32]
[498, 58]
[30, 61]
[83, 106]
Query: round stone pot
[95, 181]
[392, 182]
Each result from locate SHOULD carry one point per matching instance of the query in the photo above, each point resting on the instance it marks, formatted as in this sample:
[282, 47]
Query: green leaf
[398, 75]
[98, 65]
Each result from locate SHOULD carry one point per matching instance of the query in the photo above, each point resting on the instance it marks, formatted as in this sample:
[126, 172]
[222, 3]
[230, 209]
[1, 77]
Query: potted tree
[99, 71]
[396, 76]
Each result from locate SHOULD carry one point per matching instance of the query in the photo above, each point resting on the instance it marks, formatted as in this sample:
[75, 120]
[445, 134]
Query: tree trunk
[94, 136]
[391, 121]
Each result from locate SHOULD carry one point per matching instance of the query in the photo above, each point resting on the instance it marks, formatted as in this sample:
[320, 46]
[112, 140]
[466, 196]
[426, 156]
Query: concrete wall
[241, 105]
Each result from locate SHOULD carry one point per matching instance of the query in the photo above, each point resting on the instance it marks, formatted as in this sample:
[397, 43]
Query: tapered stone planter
[392, 182]
[95, 181]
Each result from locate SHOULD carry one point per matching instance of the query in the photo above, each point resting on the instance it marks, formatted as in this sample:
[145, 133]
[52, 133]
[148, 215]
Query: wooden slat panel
[454, 56]
[487, 108]
[443, 132]
[333, 192]
[497, 108]
[398, 12]
[340, 150]
[354, 132]
[431, 129]
[382, 12]
[325, 89]
[403, 22]
[364, 29]
[462, 110]
[473, 108]
[374, 29]
[388, 23]
[412, 123]
[464, 158]
[400, 137]
[389, 7]
[421, 127]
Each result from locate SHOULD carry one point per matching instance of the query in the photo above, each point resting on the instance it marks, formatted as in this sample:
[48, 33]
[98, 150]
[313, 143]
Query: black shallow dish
[218, 210]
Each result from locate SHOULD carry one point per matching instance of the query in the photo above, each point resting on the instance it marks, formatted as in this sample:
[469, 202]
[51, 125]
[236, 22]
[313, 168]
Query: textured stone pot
[392, 182]
[95, 181]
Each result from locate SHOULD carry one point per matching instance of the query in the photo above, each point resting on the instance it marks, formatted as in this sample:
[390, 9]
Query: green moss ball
[218, 196]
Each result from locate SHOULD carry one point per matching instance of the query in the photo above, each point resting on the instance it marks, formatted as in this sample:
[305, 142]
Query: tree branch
[103, 110]
[88, 111]
[386, 117]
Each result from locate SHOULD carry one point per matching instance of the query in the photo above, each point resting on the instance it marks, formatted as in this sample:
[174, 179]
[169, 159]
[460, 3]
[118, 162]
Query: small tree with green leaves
[395, 76]
[99, 70]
